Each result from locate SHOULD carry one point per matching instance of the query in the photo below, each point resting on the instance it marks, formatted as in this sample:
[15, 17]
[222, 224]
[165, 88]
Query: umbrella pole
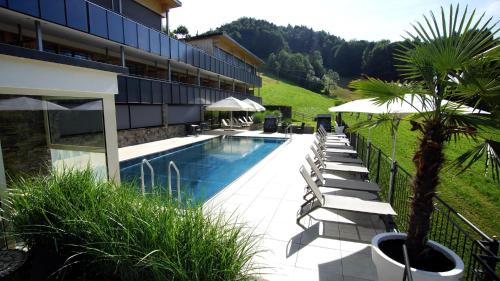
[231, 119]
[394, 147]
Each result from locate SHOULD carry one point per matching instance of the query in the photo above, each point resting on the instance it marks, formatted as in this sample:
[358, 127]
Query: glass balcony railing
[93, 19]
[149, 91]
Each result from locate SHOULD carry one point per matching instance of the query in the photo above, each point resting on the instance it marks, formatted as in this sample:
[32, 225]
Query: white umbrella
[257, 106]
[230, 104]
[28, 104]
[92, 105]
[409, 104]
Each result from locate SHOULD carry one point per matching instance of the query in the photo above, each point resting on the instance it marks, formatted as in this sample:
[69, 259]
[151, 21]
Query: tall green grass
[110, 232]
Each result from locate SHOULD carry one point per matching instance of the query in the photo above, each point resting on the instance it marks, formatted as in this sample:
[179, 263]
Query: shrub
[112, 233]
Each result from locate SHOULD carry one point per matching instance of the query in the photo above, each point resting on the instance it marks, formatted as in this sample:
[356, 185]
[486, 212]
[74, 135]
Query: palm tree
[454, 58]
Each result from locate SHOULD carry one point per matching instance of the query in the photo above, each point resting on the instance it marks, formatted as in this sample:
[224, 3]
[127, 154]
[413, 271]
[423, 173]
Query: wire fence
[448, 227]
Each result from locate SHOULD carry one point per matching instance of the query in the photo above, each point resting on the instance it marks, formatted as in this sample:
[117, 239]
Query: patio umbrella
[409, 104]
[230, 104]
[257, 106]
[28, 104]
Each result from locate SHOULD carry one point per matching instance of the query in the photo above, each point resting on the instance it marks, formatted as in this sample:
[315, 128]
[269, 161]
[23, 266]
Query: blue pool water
[205, 167]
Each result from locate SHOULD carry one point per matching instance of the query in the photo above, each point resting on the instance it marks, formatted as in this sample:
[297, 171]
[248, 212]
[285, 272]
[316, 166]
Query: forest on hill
[313, 59]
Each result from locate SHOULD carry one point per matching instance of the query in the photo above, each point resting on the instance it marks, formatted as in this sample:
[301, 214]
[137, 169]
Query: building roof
[170, 4]
[230, 45]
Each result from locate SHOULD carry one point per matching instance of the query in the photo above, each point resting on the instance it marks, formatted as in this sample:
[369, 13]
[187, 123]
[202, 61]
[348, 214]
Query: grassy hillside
[475, 196]
[277, 92]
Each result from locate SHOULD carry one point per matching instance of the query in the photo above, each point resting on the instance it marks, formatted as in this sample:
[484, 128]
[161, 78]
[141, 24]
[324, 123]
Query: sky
[350, 19]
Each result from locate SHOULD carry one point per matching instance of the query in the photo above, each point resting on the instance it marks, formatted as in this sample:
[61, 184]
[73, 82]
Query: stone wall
[24, 142]
[143, 135]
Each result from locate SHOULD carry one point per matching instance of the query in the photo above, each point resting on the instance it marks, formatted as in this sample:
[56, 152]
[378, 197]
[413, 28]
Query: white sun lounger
[325, 134]
[334, 157]
[341, 183]
[341, 167]
[335, 202]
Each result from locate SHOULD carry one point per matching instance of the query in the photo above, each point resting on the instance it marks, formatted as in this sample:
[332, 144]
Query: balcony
[135, 90]
[90, 18]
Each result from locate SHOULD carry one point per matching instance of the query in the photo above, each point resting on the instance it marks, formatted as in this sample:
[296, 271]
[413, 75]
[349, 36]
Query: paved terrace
[331, 246]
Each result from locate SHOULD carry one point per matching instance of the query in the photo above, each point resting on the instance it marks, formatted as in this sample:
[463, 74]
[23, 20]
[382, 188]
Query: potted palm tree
[454, 58]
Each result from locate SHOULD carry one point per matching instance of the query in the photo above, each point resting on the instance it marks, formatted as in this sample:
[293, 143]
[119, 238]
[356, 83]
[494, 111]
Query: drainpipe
[169, 72]
[122, 56]
[39, 38]
[218, 80]
[120, 6]
[167, 25]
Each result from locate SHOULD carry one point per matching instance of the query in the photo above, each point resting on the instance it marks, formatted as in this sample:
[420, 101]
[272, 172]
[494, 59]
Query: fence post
[392, 182]
[493, 247]
[368, 153]
[377, 179]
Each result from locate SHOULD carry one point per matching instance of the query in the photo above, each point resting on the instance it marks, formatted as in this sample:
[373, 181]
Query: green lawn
[475, 196]
[275, 92]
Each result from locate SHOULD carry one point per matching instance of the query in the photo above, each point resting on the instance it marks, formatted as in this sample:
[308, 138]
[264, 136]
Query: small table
[195, 129]
[10, 261]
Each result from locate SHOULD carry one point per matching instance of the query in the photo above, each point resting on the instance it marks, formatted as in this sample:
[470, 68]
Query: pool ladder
[170, 166]
[289, 131]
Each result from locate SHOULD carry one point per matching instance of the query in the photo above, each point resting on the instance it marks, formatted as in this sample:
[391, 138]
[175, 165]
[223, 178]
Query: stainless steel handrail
[289, 131]
[143, 188]
[170, 165]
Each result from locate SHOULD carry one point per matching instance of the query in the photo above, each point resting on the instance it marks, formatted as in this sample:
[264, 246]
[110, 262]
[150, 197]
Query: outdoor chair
[336, 202]
[334, 157]
[325, 180]
[243, 123]
[340, 167]
[226, 124]
[328, 136]
[247, 120]
[335, 151]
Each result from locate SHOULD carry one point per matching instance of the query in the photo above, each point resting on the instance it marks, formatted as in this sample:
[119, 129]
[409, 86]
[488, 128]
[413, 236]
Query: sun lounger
[325, 181]
[341, 167]
[334, 157]
[243, 123]
[326, 134]
[333, 145]
[247, 120]
[335, 202]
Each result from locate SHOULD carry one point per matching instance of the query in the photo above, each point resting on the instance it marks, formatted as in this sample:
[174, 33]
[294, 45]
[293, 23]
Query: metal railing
[289, 131]
[448, 227]
[91, 18]
[178, 177]
[407, 272]
[301, 116]
[143, 186]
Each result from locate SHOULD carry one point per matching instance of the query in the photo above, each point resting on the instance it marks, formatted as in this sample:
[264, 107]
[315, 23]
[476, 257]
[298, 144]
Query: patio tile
[315, 236]
[327, 245]
[312, 257]
[301, 274]
[358, 264]
[284, 231]
[277, 253]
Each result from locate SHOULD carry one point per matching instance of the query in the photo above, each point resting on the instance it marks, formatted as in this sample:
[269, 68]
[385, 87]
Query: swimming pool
[205, 167]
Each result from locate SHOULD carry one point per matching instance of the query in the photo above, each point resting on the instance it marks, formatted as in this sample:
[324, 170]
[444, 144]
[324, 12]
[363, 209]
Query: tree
[441, 60]
[181, 31]
[379, 61]
[330, 81]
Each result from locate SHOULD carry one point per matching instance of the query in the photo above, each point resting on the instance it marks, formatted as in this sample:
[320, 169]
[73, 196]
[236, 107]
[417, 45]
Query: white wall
[33, 77]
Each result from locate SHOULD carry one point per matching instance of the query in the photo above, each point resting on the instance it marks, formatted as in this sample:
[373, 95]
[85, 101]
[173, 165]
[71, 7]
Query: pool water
[205, 167]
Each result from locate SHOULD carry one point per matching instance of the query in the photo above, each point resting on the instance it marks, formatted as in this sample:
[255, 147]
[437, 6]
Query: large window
[42, 133]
